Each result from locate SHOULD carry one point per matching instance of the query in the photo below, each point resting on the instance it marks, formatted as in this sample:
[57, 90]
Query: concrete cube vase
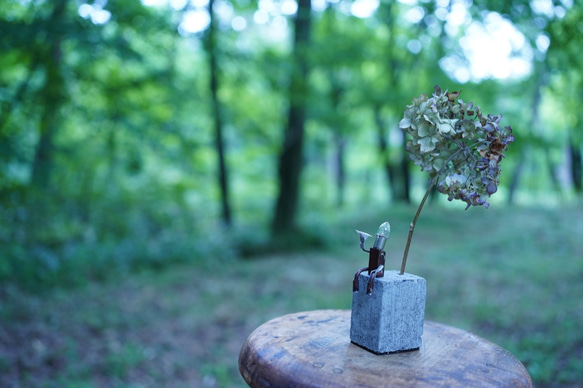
[390, 319]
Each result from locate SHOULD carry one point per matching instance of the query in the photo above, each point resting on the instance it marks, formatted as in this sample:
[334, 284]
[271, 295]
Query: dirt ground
[183, 327]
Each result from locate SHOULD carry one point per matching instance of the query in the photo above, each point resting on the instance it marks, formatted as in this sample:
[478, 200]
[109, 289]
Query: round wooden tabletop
[313, 349]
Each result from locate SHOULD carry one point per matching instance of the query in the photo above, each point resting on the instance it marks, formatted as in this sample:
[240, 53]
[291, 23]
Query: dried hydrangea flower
[457, 145]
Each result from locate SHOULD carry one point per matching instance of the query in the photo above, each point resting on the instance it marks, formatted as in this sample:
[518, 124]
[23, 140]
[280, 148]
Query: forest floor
[512, 276]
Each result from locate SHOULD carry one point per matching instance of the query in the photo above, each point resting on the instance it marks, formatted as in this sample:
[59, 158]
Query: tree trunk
[216, 107]
[336, 91]
[340, 170]
[405, 172]
[53, 96]
[383, 146]
[397, 174]
[290, 158]
[552, 168]
[516, 176]
[576, 166]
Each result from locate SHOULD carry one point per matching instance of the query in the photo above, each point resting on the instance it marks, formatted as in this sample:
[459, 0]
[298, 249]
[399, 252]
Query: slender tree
[53, 96]
[337, 53]
[217, 116]
[290, 157]
[564, 55]
[576, 166]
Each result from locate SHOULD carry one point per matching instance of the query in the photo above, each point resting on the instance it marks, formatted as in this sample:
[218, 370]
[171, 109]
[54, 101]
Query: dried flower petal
[457, 145]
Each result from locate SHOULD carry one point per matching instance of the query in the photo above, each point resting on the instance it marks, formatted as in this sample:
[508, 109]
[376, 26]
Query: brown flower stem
[412, 227]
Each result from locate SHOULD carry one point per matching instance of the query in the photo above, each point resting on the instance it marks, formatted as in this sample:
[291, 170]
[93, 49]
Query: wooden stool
[313, 349]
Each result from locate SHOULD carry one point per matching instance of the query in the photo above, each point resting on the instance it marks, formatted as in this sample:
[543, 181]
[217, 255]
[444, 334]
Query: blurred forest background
[141, 135]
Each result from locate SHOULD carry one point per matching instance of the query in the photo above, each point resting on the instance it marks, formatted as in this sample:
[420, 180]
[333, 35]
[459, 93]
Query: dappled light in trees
[123, 122]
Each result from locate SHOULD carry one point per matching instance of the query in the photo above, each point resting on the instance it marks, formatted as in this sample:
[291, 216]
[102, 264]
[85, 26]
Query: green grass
[513, 276]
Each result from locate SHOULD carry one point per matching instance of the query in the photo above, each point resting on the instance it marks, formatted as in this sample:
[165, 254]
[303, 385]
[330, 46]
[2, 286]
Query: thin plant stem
[433, 182]
[412, 227]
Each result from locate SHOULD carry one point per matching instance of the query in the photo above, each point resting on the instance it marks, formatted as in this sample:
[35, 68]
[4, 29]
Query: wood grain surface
[313, 349]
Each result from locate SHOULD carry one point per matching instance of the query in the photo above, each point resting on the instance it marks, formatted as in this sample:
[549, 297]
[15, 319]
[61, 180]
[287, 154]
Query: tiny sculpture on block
[376, 256]
[388, 317]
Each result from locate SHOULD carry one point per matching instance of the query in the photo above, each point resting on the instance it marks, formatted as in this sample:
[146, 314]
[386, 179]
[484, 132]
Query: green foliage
[129, 168]
[45, 245]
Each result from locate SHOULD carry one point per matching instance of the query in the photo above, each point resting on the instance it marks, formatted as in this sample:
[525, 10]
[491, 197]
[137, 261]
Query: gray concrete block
[391, 319]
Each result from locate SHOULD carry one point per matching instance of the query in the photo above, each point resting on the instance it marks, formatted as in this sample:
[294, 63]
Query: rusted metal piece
[355, 286]
[373, 275]
[363, 236]
[376, 258]
[376, 269]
